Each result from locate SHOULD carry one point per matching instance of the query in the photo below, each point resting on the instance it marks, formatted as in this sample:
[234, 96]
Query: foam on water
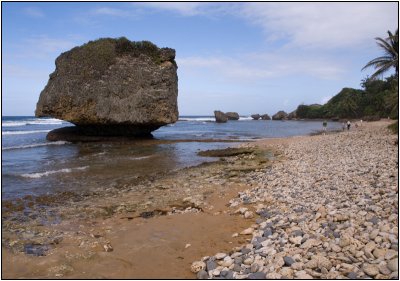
[23, 132]
[197, 119]
[47, 173]
[34, 145]
[140, 158]
[50, 121]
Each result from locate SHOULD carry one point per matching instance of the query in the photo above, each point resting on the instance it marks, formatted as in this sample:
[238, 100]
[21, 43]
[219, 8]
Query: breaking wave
[47, 173]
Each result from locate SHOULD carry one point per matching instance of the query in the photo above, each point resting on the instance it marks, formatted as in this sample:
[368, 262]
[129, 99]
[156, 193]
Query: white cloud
[208, 9]
[116, 12]
[306, 24]
[256, 66]
[322, 25]
[33, 12]
[110, 12]
[183, 8]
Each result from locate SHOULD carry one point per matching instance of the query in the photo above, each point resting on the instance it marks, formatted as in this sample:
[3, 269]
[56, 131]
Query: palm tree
[390, 59]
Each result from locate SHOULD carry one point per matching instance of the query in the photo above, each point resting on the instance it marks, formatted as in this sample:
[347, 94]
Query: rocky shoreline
[315, 206]
[328, 210]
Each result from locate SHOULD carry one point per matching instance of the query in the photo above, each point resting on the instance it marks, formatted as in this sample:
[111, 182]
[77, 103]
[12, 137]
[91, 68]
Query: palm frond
[390, 47]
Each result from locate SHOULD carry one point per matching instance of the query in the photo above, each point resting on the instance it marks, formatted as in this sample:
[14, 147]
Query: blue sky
[243, 57]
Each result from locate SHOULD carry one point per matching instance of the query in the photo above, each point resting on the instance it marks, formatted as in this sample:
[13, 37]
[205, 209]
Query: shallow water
[33, 166]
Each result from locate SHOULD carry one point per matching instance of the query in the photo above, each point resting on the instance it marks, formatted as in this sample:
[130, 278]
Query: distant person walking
[324, 124]
[348, 125]
[343, 126]
[361, 123]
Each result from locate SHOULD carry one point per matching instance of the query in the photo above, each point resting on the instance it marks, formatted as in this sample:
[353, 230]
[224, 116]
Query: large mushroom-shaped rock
[265, 117]
[280, 115]
[255, 116]
[232, 115]
[220, 117]
[112, 87]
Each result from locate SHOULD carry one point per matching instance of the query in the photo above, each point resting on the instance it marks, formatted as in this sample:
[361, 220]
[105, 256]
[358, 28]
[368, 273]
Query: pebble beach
[322, 206]
[326, 209]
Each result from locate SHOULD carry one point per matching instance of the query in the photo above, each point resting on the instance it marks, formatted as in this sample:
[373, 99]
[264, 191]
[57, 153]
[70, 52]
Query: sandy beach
[322, 206]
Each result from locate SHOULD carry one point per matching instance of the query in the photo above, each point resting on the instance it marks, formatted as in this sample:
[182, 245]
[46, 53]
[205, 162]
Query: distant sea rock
[232, 115]
[265, 117]
[280, 115]
[113, 87]
[220, 117]
[255, 116]
[292, 115]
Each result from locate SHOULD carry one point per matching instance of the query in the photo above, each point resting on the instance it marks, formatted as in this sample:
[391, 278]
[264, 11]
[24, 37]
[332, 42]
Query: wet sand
[121, 244]
[142, 248]
[107, 236]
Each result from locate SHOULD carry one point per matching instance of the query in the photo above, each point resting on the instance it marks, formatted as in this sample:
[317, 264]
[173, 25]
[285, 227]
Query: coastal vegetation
[93, 58]
[378, 98]
[394, 127]
[390, 58]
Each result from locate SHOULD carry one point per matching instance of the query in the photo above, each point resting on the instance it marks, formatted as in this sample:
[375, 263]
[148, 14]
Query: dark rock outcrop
[280, 115]
[220, 117]
[292, 115]
[232, 115]
[255, 116]
[265, 117]
[113, 87]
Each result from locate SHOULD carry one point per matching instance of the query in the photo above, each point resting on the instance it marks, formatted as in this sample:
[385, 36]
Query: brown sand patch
[142, 248]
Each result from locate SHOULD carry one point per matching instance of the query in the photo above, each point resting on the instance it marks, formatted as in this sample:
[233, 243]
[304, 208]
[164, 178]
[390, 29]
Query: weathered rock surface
[255, 116]
[280, 115]
[265, 117]
[220, 117]
[113, 87]
[232, 115]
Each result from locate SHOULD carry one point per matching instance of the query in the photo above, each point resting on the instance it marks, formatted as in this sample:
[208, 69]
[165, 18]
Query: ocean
[33, 166]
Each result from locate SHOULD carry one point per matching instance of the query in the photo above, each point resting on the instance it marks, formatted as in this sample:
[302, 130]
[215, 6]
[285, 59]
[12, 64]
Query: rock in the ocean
[280, 115]
[232, 115]
[255, 116]
[265, 117]
[292, 115]
[113, 87]
[220, 117]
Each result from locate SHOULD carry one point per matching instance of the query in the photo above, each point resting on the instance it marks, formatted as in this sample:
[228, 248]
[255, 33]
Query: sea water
[31, 165]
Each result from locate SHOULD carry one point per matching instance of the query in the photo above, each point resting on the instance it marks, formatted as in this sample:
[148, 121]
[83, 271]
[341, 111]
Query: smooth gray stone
[267, 232]
[288, 260]
[352, 275]
[237, 268]
[245, 251]
[202, 274]
[210, 265]
[257, 275]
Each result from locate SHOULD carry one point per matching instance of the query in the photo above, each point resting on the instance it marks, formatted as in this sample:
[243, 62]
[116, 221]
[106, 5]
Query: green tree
[390, 47]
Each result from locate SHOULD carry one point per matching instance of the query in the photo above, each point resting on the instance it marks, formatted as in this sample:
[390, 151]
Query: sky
[250, 58]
